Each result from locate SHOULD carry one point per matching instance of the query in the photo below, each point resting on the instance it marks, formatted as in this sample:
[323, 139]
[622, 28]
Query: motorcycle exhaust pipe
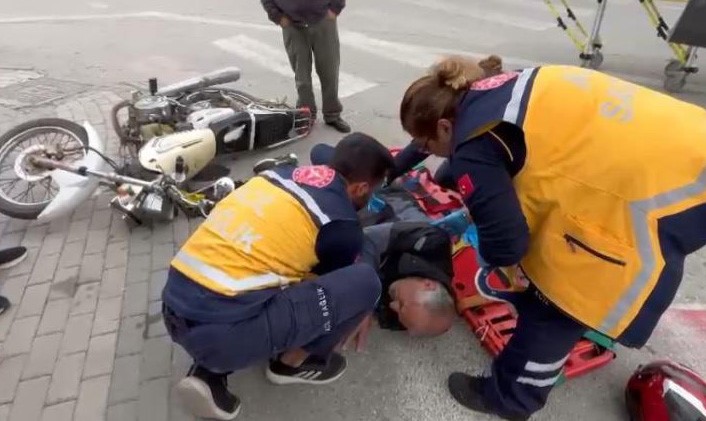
[226, 75]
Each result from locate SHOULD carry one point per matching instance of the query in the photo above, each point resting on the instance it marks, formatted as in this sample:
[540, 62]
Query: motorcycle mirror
[153, 86]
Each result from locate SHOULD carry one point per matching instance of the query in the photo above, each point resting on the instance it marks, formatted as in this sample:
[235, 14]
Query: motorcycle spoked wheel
[33, 137]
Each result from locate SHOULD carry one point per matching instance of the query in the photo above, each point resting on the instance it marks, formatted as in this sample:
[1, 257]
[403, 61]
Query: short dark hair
[361, 158]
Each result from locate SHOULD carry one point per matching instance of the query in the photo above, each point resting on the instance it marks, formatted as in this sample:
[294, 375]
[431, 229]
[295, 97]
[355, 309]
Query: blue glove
[375, 204]
[454, 223]
[471, 237]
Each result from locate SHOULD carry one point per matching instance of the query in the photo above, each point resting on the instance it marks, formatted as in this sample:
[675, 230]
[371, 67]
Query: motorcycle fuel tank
[196, 147]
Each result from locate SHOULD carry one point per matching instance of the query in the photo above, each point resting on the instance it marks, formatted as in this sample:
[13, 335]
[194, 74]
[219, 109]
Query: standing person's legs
[308, 320]
[297, 43]
[327, 59]
[526, 370]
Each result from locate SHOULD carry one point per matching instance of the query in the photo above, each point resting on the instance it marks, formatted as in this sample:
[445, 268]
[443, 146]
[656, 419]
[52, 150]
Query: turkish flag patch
[465, 186]
[318, 176]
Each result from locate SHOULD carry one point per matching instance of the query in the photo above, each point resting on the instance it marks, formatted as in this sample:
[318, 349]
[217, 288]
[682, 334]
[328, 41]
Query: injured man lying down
[414, 261]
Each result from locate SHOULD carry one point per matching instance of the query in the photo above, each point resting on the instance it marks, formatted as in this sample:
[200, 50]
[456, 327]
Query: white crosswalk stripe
[275, 60]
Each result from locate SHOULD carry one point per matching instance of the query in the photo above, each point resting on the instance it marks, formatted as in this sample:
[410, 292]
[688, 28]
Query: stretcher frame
[590, 44]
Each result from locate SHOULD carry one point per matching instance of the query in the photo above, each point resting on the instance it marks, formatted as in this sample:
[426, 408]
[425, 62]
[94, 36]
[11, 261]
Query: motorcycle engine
[152, 109]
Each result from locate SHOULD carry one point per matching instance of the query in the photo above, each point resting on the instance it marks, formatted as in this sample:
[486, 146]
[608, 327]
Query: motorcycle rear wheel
[19, 141]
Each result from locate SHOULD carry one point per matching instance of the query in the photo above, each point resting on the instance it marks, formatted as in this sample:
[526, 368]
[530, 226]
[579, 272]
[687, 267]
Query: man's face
[412, 313]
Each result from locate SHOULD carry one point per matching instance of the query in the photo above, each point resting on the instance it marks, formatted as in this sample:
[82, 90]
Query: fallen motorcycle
[170, 136]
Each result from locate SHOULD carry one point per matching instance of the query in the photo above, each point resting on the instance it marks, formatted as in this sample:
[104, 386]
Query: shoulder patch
[465, 186]
[318, 176]
[493, 81]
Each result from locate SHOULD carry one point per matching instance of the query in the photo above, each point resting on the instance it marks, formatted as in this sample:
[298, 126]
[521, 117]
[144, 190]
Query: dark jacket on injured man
[301, 11]
[404, 244]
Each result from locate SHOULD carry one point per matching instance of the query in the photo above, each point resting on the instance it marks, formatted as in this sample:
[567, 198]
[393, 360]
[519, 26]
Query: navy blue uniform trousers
[525, 371]
[315, 315]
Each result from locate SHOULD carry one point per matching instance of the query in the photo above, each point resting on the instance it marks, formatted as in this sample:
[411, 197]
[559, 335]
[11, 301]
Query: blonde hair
[435, 95]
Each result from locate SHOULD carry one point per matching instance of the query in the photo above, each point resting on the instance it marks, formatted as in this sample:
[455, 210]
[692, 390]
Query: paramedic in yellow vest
[272, 274]
[594, 186]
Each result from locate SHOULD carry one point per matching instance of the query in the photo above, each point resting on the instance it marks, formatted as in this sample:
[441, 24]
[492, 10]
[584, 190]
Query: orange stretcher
[493, 322]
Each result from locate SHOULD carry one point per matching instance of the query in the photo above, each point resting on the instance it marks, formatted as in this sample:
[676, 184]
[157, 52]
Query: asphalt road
[385, 45]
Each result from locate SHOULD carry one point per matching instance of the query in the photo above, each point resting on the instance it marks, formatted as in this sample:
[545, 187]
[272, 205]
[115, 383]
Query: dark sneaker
[206, 395]
[468, 391]
[340, 125]
[314, 370]
[12, 257]
[4, 304]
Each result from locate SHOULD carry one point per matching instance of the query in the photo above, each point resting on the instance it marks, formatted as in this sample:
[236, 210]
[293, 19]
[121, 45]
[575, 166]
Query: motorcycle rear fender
[75, 189]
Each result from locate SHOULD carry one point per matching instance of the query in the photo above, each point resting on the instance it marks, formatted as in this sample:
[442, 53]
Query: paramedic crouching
[271, 275]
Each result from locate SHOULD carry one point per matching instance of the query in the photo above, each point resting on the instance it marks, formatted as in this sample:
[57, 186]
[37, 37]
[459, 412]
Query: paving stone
[138, 268]
[101, 220]
[78, 230]
[12, 289]
[83, 212]
[85, 299]
[44, 270]
[154, 400]
[10, 373]
[155, 324]
[91, 268]
[43, 356]
[157, 282]
[19, 340]
[126, 411]
[119, 230]
[52, 244]
[29, 400]
[15, 225]
[33, 300]
[60, 412]
[131, 335]
[77, 334]
[162, 254]
[107, 315]
[113, 283]
[64, 283]
[125, 384]
[156, 358]
[181, 230]
[101, 355]
[72, 255]
[34, 236]
[116, 255]
[140, 241]
[57, 226]
[97, 240]
[55, 316]
[66, 378]
[163, 234]
[92, 399]
[5, 412]
[177, 412]
[135, 300]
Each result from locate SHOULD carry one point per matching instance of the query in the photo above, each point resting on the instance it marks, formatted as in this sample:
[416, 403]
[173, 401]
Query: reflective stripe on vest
[640, 210]
[304, 197]
[222, 279]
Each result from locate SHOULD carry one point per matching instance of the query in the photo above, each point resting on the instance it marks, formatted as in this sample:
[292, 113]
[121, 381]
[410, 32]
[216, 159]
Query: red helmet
[666, 391]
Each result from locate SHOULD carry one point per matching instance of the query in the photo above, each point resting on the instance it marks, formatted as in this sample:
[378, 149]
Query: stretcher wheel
[674, 76]
[594, 62]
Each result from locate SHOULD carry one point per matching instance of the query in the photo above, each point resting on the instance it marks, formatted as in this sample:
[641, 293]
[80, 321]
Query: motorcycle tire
[32, 211]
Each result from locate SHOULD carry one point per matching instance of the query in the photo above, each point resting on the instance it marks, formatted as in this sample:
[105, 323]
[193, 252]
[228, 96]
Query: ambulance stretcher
[685, 38]
[491, 321]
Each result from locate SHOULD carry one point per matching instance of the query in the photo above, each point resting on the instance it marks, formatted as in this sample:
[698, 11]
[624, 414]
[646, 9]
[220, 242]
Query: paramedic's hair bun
[459, 72]
[492, 65]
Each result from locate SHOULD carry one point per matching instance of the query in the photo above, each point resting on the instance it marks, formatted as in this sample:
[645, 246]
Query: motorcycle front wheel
[25, 189]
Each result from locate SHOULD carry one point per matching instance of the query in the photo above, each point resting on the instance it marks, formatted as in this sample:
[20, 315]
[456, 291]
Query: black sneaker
[314, 370]
[340, 125]
[12, 256]
[4, 304]
[206, 394]
[468, 391]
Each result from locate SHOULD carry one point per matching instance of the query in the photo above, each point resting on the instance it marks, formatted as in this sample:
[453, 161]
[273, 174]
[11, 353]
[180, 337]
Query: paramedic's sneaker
[4, 304]
[468, 391]
[206, 395]
[12, 256]
[314, 370]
